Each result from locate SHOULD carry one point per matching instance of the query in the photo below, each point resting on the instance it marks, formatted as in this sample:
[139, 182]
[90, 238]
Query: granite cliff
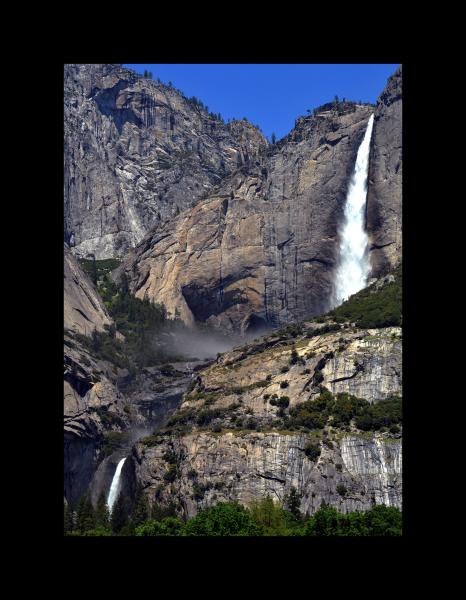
[261, 250]
[384, 191]
[138, 152]
[232, 439]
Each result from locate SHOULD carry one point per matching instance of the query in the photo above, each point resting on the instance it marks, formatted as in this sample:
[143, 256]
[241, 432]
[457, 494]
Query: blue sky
[272, 95]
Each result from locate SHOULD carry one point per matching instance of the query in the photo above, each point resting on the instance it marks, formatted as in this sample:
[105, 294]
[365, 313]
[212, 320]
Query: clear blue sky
[270, 95]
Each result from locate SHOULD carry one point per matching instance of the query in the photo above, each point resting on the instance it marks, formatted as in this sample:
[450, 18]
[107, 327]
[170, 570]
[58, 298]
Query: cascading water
[353, 266]
[115, 487]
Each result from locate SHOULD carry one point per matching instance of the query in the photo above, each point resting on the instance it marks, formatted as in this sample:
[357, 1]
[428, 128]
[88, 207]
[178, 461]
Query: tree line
[261, 518]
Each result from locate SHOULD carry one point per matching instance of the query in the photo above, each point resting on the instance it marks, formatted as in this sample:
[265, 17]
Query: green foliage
[293, 503]
[102, 514]
[119, 518]
[341, 489]
[68, 518]
[282, 402]
[85, 517]
[312, 451]
[271, 518]
[308, 414]
[284, 384]
[98, 269]
[169, 526]
[291, 331]
[98, 532]
[225, 518]
[378, 521]
[263, 517]
[342, 409]
[114, 440]
[384, 413]
[371, 308]
[318, 377]
[141, 511]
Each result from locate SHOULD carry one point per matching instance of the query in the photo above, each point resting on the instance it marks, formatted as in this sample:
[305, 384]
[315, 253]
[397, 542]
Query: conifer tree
[68, 518]
[102, 514]
[273, 137]
[118, 518]
[141, 507]
[85, 518]
[293, 502]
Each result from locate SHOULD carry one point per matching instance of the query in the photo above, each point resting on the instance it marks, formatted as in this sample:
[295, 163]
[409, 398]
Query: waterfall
[115, 487]
[353, 264]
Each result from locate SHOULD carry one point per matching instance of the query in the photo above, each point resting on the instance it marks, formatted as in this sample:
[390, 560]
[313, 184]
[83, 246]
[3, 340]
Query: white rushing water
[353, 266]
[115, 487]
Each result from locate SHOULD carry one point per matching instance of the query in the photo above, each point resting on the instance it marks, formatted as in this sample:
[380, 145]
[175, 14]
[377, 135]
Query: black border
[48, 288]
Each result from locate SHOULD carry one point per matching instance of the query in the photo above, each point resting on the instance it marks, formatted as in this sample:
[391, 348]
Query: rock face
[244, 453]
[250, 466]
[261, 250]
[138, 152]
[92, 403]
[84, 310]
[384, 197]
[93, 406]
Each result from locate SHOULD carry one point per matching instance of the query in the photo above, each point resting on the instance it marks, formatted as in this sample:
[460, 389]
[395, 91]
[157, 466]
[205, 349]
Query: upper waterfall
[115, 487]
[353, 263]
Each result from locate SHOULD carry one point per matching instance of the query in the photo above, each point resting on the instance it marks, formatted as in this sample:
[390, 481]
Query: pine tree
[273, 137]
[102, 514]
[141, 507]
[118, 518]
[85, 514]
[293, 502]
[68, 518]
[145, 73]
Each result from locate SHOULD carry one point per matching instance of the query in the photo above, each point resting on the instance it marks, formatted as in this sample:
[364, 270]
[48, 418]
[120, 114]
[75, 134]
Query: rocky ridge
[261, 251]
[138, 152]
[228, 441]
[384, 193]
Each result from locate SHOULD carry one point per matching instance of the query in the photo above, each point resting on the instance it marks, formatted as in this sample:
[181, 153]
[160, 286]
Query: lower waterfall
[115, 487]
[353, 263]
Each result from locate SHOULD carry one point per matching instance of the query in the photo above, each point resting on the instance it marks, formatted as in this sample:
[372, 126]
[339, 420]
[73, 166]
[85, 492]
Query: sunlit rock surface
[136, 154]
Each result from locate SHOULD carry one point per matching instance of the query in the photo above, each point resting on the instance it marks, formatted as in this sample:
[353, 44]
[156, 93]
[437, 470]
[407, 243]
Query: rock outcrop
[84, 310]
[260, 251]
[138, 152]
[245, 451]
[93, 407]
[384, 197]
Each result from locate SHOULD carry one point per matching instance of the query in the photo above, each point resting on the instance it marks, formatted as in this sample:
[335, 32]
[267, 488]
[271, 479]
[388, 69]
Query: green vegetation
[383, 414]
[372, 308]
[282, 402]
[341, 489]
[312, 451]
[114, 440]
[342, 410]
[143, 325]
[263, 517]
[98, 269]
